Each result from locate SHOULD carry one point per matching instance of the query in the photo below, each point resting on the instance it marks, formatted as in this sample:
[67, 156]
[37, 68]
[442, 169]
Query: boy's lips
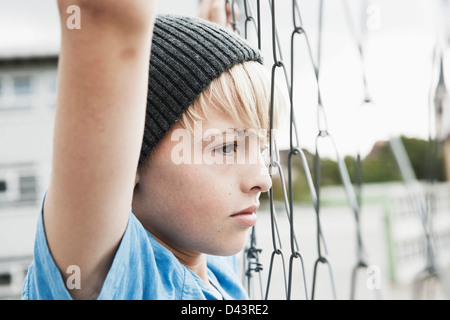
[246, 217]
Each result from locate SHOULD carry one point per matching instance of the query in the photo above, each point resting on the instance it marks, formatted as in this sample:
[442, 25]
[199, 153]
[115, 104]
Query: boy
[114, 151]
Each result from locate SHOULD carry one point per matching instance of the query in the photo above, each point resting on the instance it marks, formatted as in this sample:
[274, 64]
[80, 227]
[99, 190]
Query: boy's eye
[227, 148]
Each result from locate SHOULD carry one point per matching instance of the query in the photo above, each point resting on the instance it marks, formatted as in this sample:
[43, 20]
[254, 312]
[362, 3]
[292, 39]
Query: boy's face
[200, 191]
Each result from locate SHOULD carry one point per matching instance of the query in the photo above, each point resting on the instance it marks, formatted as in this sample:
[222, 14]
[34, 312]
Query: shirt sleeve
[43, 280]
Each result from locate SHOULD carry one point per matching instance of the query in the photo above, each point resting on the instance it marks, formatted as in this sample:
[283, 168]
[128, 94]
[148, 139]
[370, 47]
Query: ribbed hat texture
[187, 54]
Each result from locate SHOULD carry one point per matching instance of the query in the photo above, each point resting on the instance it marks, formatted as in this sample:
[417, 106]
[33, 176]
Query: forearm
[103, 72]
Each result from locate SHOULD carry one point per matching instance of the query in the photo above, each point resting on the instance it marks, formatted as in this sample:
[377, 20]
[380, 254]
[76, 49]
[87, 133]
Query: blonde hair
[242, 93]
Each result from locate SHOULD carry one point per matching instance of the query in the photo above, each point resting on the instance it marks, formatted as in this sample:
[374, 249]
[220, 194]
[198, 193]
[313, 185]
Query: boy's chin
[226, 251]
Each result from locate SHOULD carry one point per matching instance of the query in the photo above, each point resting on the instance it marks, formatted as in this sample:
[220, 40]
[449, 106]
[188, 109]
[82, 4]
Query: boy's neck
[194, 261]
[196, 264]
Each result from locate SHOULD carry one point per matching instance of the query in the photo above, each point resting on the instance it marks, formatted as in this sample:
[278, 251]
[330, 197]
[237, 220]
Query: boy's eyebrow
[209, 138]
[216, 133]
[238, 132]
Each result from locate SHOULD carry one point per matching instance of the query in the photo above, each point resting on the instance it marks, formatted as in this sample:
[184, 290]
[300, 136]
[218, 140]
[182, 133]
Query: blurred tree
[379, 165]
[427, 158]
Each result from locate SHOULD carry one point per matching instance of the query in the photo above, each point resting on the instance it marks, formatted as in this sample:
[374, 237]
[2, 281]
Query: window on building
[53, 83]
[20, 93]
[28, 188]
[22, 86]
[3, 186]
[3, 93]
[18, 185]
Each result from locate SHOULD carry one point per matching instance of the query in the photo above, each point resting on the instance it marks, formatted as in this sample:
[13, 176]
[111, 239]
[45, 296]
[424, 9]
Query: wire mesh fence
[259, 23]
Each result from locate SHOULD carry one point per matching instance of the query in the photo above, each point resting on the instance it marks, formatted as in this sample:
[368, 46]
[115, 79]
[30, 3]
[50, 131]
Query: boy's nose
[255, 177]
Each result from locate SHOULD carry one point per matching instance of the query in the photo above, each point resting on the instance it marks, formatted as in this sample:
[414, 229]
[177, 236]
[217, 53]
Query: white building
[29, 48]
[27, 104]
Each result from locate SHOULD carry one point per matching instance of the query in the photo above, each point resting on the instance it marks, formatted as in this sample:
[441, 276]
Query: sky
[398, 63]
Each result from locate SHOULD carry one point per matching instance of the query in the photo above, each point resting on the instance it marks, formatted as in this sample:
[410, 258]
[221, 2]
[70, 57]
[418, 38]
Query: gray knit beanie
[187, 54]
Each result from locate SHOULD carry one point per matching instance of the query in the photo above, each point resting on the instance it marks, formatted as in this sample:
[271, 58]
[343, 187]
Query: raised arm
[99, 121]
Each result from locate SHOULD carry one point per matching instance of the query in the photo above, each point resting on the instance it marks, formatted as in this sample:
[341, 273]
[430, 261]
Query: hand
[220, 12]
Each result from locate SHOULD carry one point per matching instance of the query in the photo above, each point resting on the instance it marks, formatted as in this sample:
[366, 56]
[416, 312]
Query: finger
[235, 12]
[205, 8]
